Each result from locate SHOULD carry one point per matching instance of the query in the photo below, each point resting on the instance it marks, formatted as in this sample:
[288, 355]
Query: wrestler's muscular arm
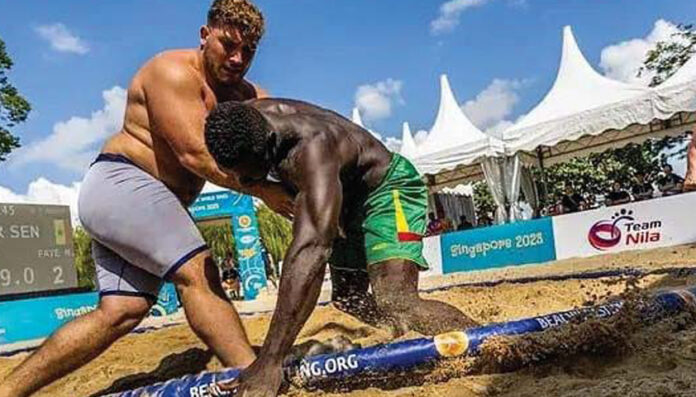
[177, 112]
[317, 209]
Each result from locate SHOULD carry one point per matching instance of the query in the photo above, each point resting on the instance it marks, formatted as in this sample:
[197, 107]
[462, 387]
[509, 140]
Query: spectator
[464, 223]
[447, 225]
[670, 183]
[592, 202]
[641, 189]
[230, 283]
[485, 220]
[617, 195]
[435, 225]
[572, 201]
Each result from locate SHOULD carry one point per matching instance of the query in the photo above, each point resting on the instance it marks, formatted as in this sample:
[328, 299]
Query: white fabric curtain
[512, 172]
[455, 206]
[492, 171]
[531, 195]
[503, 176]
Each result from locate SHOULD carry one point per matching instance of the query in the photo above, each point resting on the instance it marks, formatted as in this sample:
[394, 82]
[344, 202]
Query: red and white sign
[647, 224]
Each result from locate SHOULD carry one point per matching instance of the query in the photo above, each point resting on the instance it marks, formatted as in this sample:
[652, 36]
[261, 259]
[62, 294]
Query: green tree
[14, 108]
[594, 174]
[669, 55]
[483, 201]
[86, 272]
[219, 239]
[276, 234]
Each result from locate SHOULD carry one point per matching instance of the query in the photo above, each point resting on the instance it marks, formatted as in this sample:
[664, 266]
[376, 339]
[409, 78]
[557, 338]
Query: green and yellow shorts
[388, 224]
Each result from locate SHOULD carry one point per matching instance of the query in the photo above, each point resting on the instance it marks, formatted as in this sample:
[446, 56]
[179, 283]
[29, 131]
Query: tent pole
[544, 187]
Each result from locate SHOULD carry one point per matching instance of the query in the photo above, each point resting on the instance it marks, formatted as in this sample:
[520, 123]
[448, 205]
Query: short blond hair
[242, 14]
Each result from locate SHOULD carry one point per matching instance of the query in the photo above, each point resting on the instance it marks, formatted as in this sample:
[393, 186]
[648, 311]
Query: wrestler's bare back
[140, 139]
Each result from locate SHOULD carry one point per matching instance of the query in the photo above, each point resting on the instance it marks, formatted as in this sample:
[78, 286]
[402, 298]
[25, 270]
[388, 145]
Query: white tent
[452, 127]
[408, 145]
[585, 112]
[356, 118]
[454, 146]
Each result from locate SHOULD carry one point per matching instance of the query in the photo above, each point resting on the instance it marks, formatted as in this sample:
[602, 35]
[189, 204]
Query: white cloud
[449, 14]
[375, 101]
[61, 39]
[393, 144]
[420, 136]
[43, 191]
[494, 103]
[621, 61]
[498, 128]
[75, 143]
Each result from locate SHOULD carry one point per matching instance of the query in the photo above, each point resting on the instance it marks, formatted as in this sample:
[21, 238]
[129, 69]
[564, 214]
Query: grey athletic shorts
[141, 232]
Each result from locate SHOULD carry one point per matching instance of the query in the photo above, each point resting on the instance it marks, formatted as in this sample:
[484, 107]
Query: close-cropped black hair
[234, 131]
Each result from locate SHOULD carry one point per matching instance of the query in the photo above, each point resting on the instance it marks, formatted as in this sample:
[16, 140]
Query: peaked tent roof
[408, 145]
[586, 112]
[452, 127]
[454, 146]
[577, 88]
[356, 118]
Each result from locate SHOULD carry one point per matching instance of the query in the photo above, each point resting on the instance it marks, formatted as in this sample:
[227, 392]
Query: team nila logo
[623, 228]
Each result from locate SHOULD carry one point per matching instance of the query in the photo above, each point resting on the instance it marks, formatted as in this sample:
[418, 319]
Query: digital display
[36, 248]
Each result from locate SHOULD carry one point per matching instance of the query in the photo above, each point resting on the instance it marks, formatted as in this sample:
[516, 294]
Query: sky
[73, 61]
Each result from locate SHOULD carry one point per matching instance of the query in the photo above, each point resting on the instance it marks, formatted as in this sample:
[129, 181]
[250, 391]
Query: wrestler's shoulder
[174, 66]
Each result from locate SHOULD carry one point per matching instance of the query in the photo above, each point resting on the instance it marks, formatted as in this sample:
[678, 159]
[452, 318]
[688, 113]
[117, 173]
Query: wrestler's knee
[199, 276]
[199, 271]
[123, 313]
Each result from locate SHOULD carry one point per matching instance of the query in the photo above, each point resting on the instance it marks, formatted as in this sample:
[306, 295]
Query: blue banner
[252, 268]
[167, 301]
[214, 205]
[37, 318]
[498, 246]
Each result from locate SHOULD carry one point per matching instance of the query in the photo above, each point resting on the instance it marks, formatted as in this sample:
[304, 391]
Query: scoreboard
[36, 249]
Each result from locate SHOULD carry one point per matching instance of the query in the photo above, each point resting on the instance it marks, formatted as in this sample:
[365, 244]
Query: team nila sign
[624, 229]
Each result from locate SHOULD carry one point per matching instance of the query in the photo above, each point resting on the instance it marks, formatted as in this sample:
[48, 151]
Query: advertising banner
[647, 224]
[29, 319]
[433, 255]
[36, 249]
[167, 301]
[498, 246]
[252, 267]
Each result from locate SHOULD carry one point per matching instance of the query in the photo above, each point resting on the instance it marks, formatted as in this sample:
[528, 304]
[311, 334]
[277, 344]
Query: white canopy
[452, 128]
[454, 144]
[408, 145]
[356, 118]
[586, 112]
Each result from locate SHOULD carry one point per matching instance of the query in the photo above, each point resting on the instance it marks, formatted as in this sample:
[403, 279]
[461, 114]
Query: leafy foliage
[14, 108]
[594, 173]
[220, 240]
[86, 272]
[483, 201]
[668, 56]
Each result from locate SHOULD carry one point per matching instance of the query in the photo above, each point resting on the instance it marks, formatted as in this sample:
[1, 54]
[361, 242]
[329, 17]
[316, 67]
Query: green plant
[276, 233]
[84, 263]
[14, 108]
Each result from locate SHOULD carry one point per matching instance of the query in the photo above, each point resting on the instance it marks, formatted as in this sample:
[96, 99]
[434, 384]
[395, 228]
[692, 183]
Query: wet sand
[616, 358]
